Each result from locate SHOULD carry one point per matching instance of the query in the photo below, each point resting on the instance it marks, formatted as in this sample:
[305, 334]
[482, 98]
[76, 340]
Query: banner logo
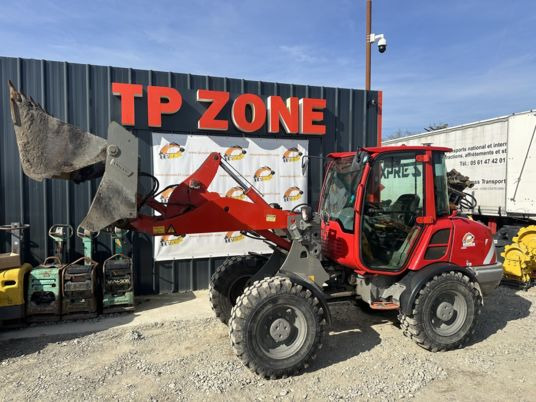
[164, 196]
[232, 237]
[293, 194]
[171, 151]
[234, 153]
[236, 192]
[264, 173]
[171, 240]
[292, 155]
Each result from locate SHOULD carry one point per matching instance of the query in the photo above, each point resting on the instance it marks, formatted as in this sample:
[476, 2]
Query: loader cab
[375, 204]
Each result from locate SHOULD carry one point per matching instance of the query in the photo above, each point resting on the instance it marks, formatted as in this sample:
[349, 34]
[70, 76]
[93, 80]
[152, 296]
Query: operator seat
[407, 205]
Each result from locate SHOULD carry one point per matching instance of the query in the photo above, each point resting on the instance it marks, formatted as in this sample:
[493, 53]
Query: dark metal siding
[81, 94]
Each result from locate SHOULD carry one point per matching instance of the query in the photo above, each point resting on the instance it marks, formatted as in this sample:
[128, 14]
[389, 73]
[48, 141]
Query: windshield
[338, 198]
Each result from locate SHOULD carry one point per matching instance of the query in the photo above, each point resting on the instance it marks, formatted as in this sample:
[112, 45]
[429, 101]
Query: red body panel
[376, 150]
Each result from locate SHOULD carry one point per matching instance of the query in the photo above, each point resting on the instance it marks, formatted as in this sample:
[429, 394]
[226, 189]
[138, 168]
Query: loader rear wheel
[229, 281]
[277, 327]
[445, 313]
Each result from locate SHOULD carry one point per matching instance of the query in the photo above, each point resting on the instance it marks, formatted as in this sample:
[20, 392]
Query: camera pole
[367, 45]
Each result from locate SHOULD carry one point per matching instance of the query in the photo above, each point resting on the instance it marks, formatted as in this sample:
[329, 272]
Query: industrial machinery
[12, 276]
[383, 234]
[498, 156]
[79, 282]
[117, 277]
[520, 258]
[44, 281]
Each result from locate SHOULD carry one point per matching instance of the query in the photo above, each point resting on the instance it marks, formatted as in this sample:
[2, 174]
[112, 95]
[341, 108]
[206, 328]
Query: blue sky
[452, 61]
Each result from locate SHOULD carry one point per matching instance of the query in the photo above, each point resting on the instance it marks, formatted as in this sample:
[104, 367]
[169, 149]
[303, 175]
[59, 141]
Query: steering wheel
[373, 208]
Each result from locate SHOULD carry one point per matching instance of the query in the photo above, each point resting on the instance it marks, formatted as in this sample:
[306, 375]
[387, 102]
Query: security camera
[382, 45]
[382, 42]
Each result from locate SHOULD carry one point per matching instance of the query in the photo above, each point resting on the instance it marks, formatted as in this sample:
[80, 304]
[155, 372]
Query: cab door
[392, 210]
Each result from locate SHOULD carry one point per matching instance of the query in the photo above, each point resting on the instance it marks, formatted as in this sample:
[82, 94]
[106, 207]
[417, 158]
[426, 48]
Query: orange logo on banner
[292, 155]
[293, 194]
[170, 240]
[232, 237]
[171, 151]
[264, 173]
[234, 153]
[236, 193]
[164, 196]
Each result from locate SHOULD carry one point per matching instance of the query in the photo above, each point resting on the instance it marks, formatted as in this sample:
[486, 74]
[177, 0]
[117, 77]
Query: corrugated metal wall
[81, 94]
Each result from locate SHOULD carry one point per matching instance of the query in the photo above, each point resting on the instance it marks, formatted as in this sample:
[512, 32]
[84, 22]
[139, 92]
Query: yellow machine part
[12, 286]
[518, 264]
[527, 237]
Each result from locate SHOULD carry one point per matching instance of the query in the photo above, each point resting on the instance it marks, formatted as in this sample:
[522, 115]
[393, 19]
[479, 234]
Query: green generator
[79, 282]
[44, 281]
[117, 278]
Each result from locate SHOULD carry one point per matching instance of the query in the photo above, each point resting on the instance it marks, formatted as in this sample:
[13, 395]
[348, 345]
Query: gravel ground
[365, 358]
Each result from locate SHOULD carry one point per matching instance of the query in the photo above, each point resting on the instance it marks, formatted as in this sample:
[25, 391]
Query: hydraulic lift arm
[191, 208]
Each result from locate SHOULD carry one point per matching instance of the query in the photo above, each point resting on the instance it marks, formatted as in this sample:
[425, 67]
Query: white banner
[273, 166]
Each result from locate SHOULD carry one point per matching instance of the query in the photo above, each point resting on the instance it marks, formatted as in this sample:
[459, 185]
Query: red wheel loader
[383, 234]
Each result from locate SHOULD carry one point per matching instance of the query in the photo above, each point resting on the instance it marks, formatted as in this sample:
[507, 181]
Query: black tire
[229, 281]
[277, 327]
[444, 314]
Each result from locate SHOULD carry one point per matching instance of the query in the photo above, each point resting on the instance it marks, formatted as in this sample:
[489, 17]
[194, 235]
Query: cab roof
[397, 148]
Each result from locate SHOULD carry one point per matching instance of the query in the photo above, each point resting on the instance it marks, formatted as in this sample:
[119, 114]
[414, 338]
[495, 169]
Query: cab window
[394, 198]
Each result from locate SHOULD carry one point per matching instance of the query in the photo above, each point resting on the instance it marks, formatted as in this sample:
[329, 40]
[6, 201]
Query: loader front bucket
[51, 148]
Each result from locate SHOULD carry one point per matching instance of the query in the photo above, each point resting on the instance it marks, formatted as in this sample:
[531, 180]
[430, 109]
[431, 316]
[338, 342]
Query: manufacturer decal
[468, 240]
[292, 155]
[233, 237]
[293, 194]
[171, 151]
[234, 153]
[171, 240]
[236, 192]
[264, 173]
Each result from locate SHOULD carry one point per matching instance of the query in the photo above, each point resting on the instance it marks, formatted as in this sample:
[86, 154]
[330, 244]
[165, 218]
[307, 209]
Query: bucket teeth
[50, 147]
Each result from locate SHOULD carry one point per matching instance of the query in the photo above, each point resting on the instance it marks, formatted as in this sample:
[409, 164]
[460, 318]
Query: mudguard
[414, 281]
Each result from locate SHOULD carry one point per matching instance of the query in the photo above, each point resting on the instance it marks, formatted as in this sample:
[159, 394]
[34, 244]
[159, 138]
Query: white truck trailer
[499, 156]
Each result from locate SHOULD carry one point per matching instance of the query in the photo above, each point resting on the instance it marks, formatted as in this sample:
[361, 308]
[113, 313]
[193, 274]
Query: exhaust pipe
[50, 148]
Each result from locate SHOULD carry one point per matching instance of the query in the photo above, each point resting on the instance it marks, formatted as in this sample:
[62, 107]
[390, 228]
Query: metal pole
[367, 45]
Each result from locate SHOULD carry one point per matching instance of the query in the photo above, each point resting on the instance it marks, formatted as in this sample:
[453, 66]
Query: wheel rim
[282, 331]
[448, 312]
[237, 288]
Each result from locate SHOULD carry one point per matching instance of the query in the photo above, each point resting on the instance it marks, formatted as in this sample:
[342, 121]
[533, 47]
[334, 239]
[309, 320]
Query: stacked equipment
[79, 282]
[12, 274]
[118, 283]
[44, 281]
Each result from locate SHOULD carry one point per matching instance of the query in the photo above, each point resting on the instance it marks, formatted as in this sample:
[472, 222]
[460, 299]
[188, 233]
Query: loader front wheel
[277, 327]
[229, 281]
[445, 313]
